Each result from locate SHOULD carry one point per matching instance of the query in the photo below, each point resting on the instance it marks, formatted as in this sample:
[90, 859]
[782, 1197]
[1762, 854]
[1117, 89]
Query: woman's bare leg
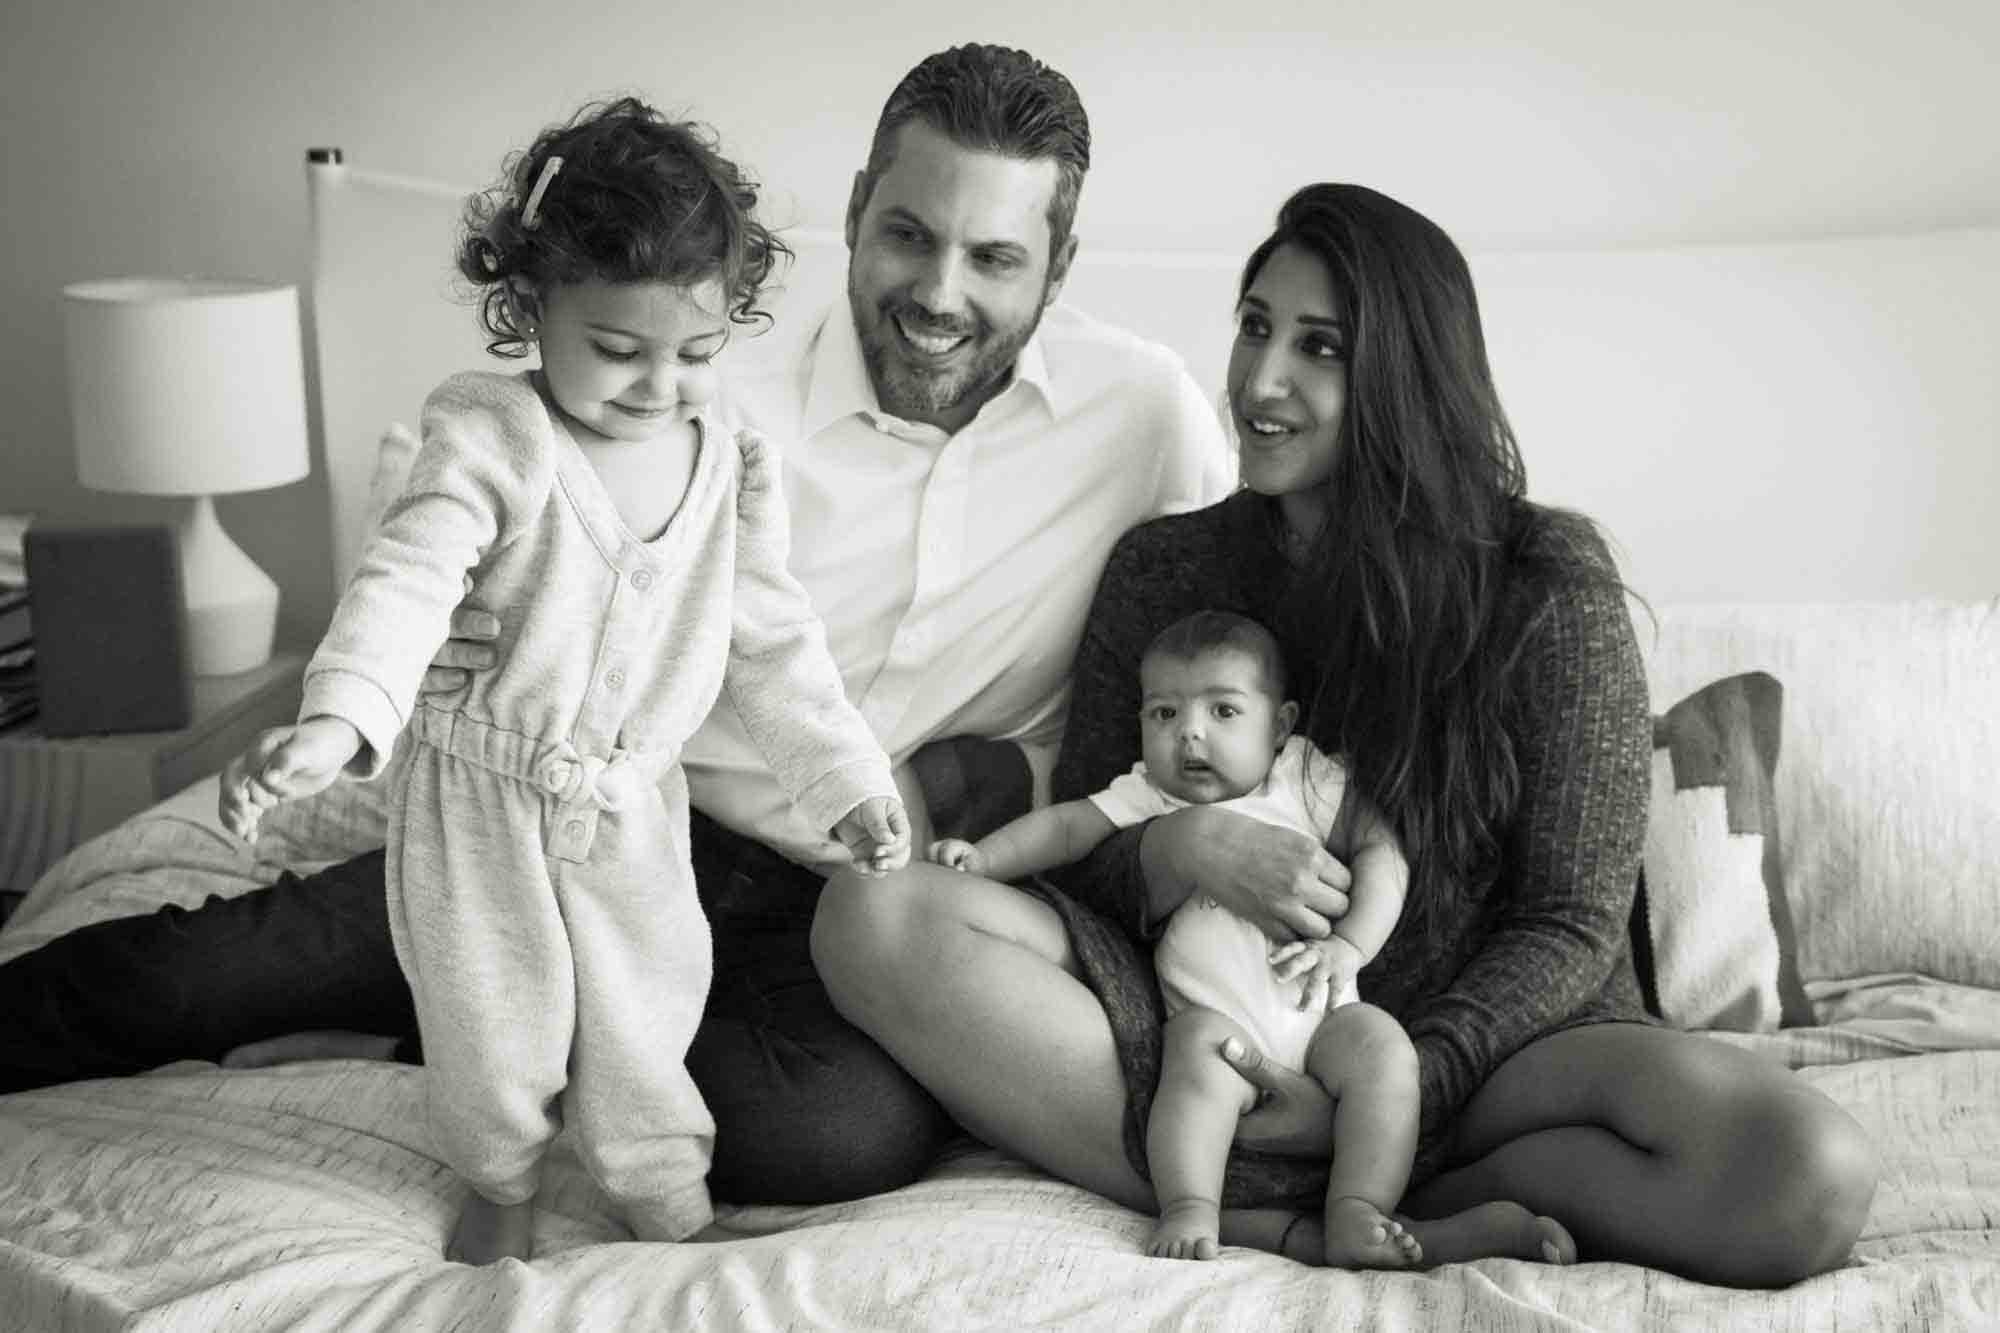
[972, 987]
[1664, 1148]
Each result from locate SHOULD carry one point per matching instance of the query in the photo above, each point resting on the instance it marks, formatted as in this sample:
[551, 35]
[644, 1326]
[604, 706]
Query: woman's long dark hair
[1398, 607]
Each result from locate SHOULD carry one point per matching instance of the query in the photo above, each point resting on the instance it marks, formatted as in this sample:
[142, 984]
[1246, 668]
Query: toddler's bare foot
[296, 1046]
[1360, 1235]
[1494, 1231]
[1187, 1229]
[487, 1230]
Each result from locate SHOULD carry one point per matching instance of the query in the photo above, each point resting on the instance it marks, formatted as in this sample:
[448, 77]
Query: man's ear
[1288, 717]
[1059, 270]
[857, 204]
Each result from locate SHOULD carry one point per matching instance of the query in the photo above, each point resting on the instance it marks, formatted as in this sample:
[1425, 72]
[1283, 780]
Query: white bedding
[307, 1197]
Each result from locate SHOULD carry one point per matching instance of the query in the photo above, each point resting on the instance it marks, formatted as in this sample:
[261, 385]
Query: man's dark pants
[807, 1108]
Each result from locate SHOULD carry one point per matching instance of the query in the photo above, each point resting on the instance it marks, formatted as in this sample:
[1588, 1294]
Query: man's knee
[818, 1121]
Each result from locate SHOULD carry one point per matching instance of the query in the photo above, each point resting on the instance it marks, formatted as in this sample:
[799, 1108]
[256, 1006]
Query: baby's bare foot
[1495, 1231]
[1360, 1235]
[487, 1230]
[1187, 1229]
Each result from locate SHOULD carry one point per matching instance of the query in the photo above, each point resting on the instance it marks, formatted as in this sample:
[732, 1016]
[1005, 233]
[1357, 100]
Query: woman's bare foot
[1360, 1235]
[296, 1046]
[1187, 1229]
[487, 1230]
[1494, 1231]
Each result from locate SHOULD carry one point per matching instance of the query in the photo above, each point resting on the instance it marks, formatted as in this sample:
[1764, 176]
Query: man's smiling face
[948, 273]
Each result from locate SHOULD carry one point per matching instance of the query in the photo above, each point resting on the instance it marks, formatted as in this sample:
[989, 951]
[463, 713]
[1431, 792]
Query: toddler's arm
[1055, 835]
[284, 764]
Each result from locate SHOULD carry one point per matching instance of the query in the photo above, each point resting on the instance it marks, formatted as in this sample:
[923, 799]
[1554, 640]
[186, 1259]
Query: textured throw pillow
[1713, 931]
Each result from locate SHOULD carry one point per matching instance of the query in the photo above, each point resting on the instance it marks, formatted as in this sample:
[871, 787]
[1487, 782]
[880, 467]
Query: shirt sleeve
[1130, 799]
[481, 475]
[781, 678]
[1570, 858]
[1197, 464]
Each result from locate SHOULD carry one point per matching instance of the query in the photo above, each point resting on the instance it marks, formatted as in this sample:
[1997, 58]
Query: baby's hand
[1329, 967]
[876, 834]
[958, 854]
[283, 764]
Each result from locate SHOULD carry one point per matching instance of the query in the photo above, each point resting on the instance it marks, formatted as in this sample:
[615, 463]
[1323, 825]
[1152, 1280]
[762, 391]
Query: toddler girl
[539, 886]
[1216, 729]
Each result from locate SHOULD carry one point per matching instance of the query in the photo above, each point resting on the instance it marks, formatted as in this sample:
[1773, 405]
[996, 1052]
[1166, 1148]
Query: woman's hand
[1293, 1115]
[1279, 880]
[469, 649]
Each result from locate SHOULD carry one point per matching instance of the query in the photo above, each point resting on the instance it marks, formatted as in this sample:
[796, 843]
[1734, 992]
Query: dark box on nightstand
[109, 629]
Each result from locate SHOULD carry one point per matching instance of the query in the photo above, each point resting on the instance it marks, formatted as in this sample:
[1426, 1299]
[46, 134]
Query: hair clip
[531, 212]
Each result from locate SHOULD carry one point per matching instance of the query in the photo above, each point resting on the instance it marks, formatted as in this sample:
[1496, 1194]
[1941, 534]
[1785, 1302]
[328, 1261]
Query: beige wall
[167, 137]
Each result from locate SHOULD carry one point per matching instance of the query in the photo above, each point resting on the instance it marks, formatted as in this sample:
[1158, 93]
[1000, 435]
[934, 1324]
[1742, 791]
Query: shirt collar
[838, 385]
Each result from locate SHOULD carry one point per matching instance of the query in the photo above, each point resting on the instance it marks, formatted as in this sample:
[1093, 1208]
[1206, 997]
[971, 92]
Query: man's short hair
[998, 100]
[1210, 631]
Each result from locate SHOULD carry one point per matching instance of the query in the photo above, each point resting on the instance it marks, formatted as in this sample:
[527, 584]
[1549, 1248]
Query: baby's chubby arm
[1055, 835]
[1375, 902]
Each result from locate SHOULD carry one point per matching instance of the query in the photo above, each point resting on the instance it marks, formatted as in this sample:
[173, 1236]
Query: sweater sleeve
[1570, 860]
[781, 677]
[482, 474]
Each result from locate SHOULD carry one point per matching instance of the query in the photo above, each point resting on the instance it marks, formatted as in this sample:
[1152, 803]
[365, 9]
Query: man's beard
[914, 392]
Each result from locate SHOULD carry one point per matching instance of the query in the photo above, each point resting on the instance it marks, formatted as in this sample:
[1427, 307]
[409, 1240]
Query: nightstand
[57, 791]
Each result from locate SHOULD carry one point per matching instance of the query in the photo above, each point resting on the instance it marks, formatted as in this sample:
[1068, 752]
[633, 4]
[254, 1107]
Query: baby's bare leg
[1194, 1120]
[1364, 1060]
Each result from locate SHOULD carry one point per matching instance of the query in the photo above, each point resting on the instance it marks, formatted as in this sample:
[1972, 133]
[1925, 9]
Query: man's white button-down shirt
[953, 572]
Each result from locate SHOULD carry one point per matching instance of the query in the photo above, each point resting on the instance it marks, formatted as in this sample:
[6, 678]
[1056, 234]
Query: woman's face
[1288, 379]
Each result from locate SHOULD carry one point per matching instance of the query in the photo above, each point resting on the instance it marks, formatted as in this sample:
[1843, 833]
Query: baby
[1217, 729]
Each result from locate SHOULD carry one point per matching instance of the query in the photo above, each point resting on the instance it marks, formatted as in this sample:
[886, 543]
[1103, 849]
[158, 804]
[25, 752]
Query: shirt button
[642, 579]
[615, 678]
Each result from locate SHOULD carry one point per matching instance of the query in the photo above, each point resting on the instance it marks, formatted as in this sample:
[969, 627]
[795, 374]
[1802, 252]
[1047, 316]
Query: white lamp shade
[185, 386]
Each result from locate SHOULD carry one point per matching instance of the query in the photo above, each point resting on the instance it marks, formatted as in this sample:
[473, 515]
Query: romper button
[574, 828]
[642, 579]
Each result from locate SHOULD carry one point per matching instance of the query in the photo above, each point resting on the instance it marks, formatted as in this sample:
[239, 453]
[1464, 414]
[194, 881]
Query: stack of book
[19, 695]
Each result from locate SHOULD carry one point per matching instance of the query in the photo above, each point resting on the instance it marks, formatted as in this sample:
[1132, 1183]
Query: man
[961, 452]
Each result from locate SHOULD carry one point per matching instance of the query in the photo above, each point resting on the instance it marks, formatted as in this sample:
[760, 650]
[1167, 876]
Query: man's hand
[1278, 879]
[469, 649]
[283, 764]
[958, 854]
[876, 834]
[1293, 1115]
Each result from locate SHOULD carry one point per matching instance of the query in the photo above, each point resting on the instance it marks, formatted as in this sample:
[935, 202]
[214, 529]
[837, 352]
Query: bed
[1814, 895]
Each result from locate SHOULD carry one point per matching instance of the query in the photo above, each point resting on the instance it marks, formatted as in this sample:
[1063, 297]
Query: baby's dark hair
[638, 198]
[1206, 631]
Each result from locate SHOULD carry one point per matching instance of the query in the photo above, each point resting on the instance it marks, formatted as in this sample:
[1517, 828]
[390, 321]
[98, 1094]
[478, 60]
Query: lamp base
[232, 605]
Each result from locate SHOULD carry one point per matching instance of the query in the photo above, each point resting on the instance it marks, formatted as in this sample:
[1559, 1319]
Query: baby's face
[1208, 726]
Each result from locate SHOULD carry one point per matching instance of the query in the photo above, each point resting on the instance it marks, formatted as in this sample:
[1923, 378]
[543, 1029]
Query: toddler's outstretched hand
[876, 834]
[958, 854]
[283, 764]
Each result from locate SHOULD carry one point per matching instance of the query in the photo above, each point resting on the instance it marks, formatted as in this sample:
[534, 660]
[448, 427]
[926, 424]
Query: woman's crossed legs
[1651, 1146]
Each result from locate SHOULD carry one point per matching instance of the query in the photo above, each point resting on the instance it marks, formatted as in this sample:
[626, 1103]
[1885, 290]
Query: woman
[1471, 655]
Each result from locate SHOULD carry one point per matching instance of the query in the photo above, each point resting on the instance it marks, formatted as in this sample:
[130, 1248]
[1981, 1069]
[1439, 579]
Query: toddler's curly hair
[639, 197]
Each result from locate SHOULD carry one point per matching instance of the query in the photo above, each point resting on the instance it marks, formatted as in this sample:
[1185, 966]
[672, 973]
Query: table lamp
[193, 387]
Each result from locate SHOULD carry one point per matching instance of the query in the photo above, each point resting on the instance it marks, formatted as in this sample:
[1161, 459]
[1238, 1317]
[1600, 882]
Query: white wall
[168, 137]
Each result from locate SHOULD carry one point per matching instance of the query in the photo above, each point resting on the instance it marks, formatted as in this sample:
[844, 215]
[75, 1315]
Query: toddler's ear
[522, 304]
